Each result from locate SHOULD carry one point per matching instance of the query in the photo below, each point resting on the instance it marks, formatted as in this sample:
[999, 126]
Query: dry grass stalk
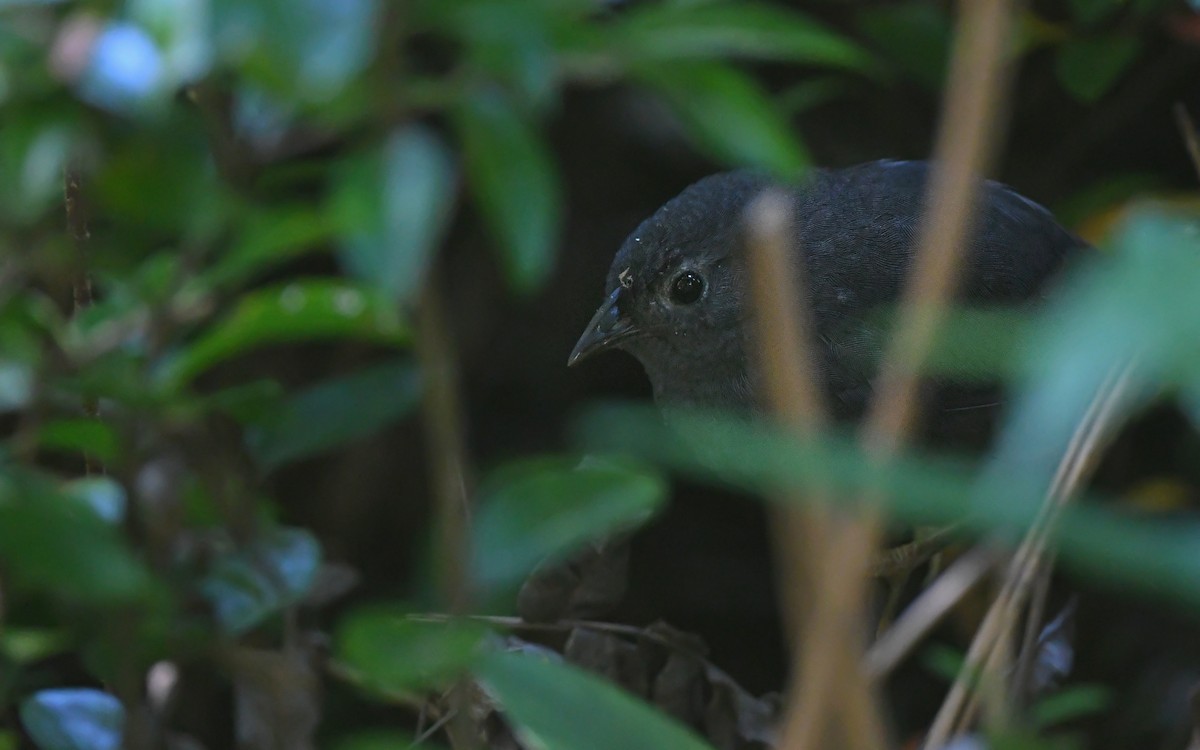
[986, 652]
[826, 678]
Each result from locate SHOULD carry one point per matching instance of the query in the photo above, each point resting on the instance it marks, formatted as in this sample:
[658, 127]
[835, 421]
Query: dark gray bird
[677, 292]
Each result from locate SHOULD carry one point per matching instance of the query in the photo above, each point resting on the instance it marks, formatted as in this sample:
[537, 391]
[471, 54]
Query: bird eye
[686, 288]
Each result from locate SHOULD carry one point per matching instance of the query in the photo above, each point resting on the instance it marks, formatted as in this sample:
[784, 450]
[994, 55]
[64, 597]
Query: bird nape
[677, 294]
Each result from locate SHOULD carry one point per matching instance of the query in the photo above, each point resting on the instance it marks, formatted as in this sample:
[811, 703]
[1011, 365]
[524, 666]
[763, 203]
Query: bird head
[674, 295]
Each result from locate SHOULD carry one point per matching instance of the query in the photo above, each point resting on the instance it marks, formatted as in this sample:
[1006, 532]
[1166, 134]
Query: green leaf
[392, 209]
[16, 385]
[103, 495]
[514, 183]
[307, 310]
[334, 412]
[269, 237]
[49, 542]
[728, 115]
[83, 435]
[27, 645]
[305, 50]
[547, 509]
[665, 31]
[74, 719]
[1159, 558]
[560, 707]
[390, 652]
[1089, 67]
[915, 35]
[1092, 11]
[1074, 702]
[273, 572]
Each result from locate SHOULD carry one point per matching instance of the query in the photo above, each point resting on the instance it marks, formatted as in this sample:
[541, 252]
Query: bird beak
[606, 328]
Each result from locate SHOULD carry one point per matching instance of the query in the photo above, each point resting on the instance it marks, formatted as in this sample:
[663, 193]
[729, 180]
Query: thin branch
[81, 286]
[442, 413]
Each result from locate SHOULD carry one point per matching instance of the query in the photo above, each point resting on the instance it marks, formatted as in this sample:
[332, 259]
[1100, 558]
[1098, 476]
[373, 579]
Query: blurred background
[211, 325]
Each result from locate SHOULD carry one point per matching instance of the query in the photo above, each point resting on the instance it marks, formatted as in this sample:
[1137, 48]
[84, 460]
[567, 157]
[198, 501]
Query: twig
[927, 610]
[81, 286]
[448, 468]
[826, 681]
[1077, 463]
[1187, 129]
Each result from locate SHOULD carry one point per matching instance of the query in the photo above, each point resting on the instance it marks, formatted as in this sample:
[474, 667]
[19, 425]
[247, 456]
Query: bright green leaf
[273, 572]
[729, 115]
[391, 652]
[268, 238]
[307, 310]
[48, 541]
[334, 412]
[560, 707]
[1088, 67]
[664, 31]
[515, 185]
[74, 719]
[83, 435]
[392, 209]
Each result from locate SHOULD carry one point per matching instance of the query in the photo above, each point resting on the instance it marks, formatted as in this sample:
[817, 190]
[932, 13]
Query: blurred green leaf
[305, 310]
[915, 35]
[273, 572]
[74, 719]
[392, 209]
[515, 185]
[334, 412]
[305, 50]
[1088, 67]
[1113, 190]
[1073, 702]
[48, 541]
[666, 31]
[85, 435]
[543, 509]
[16, 385]
[269, 237]
[35, 146]
[560, 707]
[391, 652]
[729, 115]
[1134, 301]
[1092, 11]
[103, 495]
[1160, 558]
[26, 645]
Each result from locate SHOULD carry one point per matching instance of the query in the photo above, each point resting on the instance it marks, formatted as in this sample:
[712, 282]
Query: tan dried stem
[826, 679]
[986, 653]
[1191, 139]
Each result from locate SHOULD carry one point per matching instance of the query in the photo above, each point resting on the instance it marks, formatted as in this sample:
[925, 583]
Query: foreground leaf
[668, 31]
[333, 413]
[560, 707]
[74, 719]
[309, 310]
[515, 184]
[274, 572]
[392, 209]
[389, 651]
[547, 509]
[729, 115]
